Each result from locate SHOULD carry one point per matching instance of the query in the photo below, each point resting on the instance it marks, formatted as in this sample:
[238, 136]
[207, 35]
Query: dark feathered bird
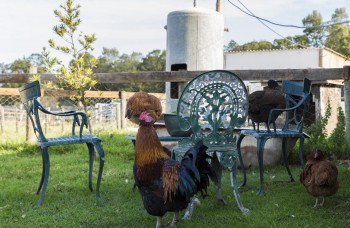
[320, 176]
[261, 102]
[143, 102]
[167, 185]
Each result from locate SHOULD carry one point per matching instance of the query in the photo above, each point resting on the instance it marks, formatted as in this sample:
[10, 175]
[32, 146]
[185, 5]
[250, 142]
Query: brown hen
[143, 102]
[261, 102]
[320, 176]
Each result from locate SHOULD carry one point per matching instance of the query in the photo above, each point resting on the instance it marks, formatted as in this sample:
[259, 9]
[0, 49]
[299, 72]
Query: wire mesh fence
[104, 112]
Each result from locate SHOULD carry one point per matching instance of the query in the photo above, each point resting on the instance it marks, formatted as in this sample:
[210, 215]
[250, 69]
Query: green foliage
[336, 37]
[316, 35]
[111, 61]
[78, 76]
[337, 139]
[339, 35]
[318, 133]
[69, 203]
[333, 144]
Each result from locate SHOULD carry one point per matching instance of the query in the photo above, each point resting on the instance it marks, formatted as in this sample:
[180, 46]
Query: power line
[293, 42]
[325, 24]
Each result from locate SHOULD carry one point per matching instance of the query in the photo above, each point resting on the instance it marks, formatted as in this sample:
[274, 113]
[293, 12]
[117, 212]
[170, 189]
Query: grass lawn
[69, 203]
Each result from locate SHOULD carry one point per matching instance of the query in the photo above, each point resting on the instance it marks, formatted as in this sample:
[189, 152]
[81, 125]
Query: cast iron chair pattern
[297, 95]
[29, 97]
[213, 104]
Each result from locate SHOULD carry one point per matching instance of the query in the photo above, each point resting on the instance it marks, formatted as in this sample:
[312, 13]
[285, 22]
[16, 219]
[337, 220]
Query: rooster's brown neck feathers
[148, 147]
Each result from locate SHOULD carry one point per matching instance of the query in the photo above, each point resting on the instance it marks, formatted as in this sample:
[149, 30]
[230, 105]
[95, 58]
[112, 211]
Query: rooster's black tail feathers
[196, 160]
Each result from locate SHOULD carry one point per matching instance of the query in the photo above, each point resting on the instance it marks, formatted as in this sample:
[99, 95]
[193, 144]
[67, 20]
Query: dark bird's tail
[201, 167]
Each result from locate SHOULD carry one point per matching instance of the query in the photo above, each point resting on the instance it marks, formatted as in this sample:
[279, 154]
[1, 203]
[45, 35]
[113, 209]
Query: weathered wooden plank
[9, 92]
[184, 76]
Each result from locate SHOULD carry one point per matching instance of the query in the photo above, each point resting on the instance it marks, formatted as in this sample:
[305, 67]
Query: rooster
[261, 102]
[143, 102]
[319, 176]
[167, 185]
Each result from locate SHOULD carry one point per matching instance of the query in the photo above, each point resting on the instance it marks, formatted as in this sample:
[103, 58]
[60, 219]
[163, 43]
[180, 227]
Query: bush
[332, 145]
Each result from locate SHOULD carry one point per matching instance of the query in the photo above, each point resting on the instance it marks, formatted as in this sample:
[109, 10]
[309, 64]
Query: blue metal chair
[297, 95]
[29, 97]
[212, 105]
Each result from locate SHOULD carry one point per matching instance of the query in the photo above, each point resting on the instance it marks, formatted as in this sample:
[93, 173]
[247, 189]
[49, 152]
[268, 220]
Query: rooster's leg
[218, 170]
[175, 219]
[159, 222]
[190, 207]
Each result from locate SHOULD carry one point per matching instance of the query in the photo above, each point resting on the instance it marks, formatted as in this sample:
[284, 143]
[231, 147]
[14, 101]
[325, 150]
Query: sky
[138, 25]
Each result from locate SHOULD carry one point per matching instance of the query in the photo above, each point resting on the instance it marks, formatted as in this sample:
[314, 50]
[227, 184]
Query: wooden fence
[315, 75]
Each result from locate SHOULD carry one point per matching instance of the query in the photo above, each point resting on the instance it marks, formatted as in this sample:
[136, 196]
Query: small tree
[78, 76]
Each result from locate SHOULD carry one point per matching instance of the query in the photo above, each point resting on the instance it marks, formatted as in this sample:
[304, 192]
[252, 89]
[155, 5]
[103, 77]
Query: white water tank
[195, 37]
[195, 40]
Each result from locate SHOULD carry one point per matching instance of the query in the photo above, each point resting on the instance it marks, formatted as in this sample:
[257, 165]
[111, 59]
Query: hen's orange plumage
[143, 102]
[319, 176]
[166, 184]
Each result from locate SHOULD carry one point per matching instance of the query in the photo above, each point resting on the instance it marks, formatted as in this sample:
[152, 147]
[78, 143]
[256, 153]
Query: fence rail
[105, 110]
[320, 75]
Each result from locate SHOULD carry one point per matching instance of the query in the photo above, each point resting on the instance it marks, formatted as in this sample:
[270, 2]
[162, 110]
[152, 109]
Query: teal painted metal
[29, 97]
[297, 96]
[212, 105]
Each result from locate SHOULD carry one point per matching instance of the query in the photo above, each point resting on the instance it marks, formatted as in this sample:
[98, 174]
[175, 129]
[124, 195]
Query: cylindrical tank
[194, 42]
[195, 38]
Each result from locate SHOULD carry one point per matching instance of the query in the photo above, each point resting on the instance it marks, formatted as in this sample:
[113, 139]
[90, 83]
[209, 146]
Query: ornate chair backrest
[212, 105]
[29, 94]
[297, 95]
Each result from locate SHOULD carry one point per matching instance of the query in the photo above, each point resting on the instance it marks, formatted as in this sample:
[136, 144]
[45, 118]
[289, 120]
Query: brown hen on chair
[261, 102]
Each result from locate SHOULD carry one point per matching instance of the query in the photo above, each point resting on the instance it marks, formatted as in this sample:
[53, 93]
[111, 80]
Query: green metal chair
[29, 97]
[212, 105]
[297, 95]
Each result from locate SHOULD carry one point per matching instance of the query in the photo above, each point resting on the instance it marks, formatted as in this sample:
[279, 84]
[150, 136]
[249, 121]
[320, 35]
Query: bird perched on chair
[143, 102]
[167, 185]
[319, 176]
[261, 102]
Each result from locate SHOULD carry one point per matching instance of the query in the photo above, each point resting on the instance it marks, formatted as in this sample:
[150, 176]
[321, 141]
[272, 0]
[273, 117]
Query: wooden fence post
[123, 107]
[347, 109]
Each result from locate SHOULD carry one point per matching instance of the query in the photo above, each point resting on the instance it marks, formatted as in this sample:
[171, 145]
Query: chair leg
[42, 176]
[91, 163]
[260, 153]
[301, 157]
[239, 141]
[285, 158]
[100, 151]
[233, 178]
[45, 176]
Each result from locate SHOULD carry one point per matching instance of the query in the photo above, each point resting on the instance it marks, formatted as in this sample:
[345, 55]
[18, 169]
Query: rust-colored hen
[143, 102]
[261, 102]
[319, 176]
[166, 184]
